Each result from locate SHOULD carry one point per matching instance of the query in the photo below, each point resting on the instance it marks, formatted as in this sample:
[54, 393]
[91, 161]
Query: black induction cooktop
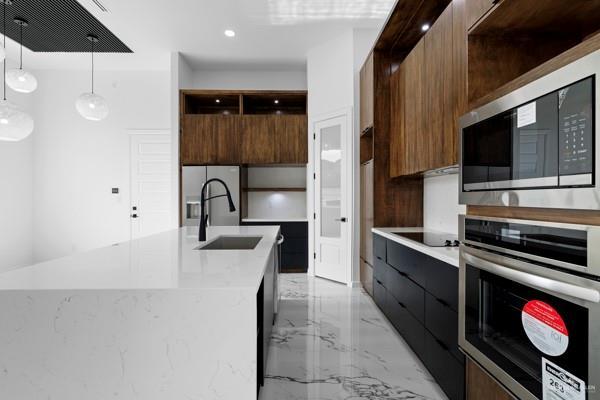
[431, 239]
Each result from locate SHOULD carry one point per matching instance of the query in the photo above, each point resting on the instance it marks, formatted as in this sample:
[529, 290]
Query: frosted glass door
[331, 236]
[331, 182]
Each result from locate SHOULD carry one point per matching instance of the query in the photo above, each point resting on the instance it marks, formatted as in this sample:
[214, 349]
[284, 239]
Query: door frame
[347, 113]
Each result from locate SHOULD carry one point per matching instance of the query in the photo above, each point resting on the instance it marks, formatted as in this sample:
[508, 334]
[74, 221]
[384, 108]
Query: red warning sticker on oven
[545, 328]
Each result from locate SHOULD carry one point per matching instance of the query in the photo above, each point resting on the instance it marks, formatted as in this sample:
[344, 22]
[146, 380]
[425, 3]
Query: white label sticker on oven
[558, 384]
[545, 328]
[526, 115]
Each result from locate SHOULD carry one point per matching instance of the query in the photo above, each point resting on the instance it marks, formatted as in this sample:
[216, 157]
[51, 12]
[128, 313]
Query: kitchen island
[152, 318]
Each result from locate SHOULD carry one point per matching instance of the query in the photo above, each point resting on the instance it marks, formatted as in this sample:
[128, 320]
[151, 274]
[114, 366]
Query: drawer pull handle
[379, 258]
[442, 302]
[442, 345]
[401, 305]
[378, 281]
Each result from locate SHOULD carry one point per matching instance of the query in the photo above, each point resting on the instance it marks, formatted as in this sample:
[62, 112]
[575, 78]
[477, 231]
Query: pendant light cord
[92, 66]
[21, 44]
[4, 44]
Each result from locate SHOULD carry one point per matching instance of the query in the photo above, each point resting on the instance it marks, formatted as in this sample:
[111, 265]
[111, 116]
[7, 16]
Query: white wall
[16, 184]
[294, 79]
[332, 76]
[440, 203]
[77, 162]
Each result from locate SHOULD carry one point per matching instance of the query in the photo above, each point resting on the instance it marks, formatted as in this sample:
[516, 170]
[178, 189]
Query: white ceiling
[270, 33]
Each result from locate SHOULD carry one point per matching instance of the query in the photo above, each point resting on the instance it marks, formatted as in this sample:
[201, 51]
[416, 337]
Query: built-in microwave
[529, 305]
[536, 146]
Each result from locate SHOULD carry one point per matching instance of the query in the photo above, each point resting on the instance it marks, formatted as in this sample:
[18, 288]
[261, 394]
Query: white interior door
[150, 184]
[331, 202]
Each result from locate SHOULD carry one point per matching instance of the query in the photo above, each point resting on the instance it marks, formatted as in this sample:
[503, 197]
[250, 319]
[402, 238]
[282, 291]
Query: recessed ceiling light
[276, 102]
[217, 100]
[229, 33]
[425, 27]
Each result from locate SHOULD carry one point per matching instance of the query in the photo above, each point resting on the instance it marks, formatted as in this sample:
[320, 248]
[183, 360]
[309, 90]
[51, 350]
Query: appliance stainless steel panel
[541, 163]
[193, 178]
[366, 212]
[502, 279]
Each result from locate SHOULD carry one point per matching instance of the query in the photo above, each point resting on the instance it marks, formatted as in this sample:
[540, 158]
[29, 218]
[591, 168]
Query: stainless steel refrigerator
[192, 180]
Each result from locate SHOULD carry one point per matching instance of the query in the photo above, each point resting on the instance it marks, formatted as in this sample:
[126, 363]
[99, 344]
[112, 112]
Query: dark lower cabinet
[294, 250]
[419, 295]
[447, 371]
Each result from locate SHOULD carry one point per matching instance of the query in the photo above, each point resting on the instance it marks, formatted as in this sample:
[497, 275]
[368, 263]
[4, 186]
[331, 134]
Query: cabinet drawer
[294, 229]
[411, 330]
[379, 295]
[442, 322]
[380, 271]
[295, 245]
[443, 282]
[447, 371]
[407, 292]
[411, 262]
[379, 247]
[294, 261]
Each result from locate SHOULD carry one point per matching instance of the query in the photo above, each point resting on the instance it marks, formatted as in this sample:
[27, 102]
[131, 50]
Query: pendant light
[19, 79]
[15, 124]
[90, 105]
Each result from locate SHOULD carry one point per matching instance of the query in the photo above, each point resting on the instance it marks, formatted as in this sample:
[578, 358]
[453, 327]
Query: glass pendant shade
[21, 81]
[92, 106]
[15, 125]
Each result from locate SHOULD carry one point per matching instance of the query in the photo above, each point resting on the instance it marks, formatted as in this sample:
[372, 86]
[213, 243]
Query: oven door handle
[536, 281]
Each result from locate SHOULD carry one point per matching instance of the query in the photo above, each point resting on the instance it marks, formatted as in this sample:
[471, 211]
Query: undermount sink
[231, 243]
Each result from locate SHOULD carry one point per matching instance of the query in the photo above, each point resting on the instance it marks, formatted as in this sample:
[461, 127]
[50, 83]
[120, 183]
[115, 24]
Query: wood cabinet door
[398, 150]
[481, 386]
[210, 139]
[438, 136]
[366, 94]
[477, 9]
[291, 134]
[258, 139]
[416, 151]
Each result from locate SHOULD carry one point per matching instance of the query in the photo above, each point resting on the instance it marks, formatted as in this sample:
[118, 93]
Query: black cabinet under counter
[418, 293]
[294, 250]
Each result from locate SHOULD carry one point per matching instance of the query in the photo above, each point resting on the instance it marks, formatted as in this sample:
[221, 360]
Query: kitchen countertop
[274, 219]
[163, 261]
[448, 255]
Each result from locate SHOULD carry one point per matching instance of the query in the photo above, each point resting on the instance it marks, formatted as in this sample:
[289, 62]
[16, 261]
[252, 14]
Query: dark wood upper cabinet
[366, 95]
[415, 152]
[398, 159]
[291, 133]
[210, 139]
[258, 146]
[428, 94]
[477, 9]
[251, 127]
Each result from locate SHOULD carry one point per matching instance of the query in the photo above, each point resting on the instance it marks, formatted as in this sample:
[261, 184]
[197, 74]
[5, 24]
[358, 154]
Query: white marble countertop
[448, 255]
[274, 219]
[162, 261]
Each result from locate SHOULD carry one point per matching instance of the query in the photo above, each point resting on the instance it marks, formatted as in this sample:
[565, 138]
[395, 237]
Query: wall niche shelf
[274, 189]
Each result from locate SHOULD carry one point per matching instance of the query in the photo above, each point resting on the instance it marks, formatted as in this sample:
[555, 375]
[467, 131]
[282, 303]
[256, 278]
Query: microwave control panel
[576, 141]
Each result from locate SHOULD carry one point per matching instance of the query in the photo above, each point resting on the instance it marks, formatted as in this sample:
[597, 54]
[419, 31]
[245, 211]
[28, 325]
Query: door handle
[536, 281]
[134, 215]
[343, 219]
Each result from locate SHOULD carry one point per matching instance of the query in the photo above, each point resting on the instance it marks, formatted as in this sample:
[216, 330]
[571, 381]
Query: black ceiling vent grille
[59, 26]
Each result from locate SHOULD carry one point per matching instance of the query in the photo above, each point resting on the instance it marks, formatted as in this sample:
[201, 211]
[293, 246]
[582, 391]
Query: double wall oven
[529, 310]
[537, 146]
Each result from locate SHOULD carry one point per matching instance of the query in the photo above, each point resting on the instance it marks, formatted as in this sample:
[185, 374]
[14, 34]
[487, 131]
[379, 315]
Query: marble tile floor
[331, 342]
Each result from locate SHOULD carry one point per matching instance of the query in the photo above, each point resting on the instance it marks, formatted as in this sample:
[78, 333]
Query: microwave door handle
[539, 282]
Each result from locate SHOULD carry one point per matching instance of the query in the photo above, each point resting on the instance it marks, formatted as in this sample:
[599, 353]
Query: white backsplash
[440, 203]
[273, 205]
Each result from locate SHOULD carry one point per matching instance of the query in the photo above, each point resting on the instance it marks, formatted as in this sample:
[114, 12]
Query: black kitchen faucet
[204, 217]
